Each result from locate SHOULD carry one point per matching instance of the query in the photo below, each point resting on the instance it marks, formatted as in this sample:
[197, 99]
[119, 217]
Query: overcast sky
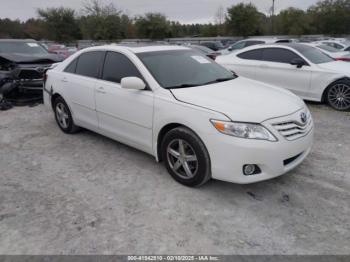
[186, 11]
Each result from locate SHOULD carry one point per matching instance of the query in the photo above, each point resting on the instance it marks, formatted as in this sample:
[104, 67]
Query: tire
[62, 111]
[338, 95]
[186, 157]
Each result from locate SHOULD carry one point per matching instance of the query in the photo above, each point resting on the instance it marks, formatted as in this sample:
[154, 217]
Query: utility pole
[272, 16]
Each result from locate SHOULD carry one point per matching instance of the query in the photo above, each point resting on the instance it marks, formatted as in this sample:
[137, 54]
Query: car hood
[242, 99]
[337, 67]
[31, 58]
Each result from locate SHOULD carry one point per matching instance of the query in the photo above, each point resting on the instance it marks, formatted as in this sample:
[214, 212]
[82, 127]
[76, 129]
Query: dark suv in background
[22, 67]
[213, 45]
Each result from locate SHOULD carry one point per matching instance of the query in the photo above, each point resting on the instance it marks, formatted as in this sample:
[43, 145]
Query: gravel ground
[87, 194]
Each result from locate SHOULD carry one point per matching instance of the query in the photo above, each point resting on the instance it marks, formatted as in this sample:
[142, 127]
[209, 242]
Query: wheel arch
[323, 98]
[164, 130]
[54, 96]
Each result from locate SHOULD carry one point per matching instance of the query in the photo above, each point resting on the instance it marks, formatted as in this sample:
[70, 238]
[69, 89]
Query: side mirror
[298, 62]
[230, 49]
[133, 83]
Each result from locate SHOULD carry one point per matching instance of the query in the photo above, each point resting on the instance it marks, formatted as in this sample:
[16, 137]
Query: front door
[126, 115]
[275, 69]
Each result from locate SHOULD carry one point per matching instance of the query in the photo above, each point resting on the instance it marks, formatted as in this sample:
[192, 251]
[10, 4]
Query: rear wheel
[186, 157]
[338, 95]
[64, 117]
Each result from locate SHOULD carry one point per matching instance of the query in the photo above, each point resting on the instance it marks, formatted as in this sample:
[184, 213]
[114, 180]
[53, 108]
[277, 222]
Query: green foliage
[292, 21]
[105, 22]
[243, 20]
[35, 29]
[331, 16]
[60, 23]
[153, 26]
[11, 29]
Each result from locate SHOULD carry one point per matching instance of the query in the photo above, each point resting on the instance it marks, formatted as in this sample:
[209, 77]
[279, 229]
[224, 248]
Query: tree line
[98, 21]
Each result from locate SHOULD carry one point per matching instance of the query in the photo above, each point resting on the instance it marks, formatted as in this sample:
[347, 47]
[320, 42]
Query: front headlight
[243, 130]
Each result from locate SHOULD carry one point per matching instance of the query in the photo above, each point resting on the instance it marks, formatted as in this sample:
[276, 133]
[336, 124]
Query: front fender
[321, 81]
[178, 113]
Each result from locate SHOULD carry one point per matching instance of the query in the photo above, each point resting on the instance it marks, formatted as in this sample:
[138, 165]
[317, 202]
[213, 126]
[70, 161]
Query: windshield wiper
[211, 82]
[223, 79]
[182, 86]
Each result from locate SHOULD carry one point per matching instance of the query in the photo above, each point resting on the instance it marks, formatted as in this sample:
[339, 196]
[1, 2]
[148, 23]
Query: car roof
[213, 41]
[295, 46]
[137, 48]
[17, 40]
[343, 43]
[266, 39]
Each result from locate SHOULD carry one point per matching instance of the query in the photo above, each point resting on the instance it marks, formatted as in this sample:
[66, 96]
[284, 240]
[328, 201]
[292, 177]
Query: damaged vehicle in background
[22, 67]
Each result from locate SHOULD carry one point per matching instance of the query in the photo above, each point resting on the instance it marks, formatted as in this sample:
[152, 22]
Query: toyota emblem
[303, 118]
[40, 69]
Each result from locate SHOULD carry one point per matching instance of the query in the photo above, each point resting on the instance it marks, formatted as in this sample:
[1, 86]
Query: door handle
[101, 90]
[64, 80]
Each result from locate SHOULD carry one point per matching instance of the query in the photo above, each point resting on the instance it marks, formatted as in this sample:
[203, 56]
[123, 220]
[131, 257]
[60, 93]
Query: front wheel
[338, 95]
[186, 157]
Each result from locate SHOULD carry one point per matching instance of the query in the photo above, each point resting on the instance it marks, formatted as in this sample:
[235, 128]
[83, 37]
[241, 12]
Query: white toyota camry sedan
[197, 117]
[302, 69]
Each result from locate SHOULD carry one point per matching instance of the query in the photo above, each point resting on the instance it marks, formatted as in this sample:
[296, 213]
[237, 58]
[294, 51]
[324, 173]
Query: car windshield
[328, 48]
[22, 48]
[313, 54]
[183, 68]
[204, 49]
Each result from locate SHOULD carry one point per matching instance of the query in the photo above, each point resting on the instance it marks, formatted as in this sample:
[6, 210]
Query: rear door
[275, 68]
[79, 81]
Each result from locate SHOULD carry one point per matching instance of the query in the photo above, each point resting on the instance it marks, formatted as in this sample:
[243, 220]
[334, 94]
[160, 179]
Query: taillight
[346, 59]
[212, 56]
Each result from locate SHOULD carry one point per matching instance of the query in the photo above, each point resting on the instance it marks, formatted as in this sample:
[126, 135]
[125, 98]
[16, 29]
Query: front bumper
[229, 154]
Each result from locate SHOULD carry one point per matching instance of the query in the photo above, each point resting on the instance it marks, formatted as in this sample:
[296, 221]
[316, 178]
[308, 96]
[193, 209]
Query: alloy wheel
[182, 158]
[62, 115]
[339, 96]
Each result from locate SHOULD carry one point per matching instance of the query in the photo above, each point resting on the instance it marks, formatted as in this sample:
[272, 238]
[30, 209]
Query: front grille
[290, 160]
[294, 129]
[30, 74]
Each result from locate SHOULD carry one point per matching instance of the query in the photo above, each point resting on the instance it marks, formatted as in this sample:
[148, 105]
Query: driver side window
[118, 66]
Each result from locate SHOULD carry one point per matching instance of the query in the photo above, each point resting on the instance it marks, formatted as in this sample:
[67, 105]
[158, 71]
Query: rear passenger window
[238, 45]
[278, 55]
[118, 66]
[71, 67]
[89, 64]
[251, 55]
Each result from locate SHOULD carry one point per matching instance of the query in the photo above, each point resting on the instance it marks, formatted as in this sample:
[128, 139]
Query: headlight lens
[243, 130]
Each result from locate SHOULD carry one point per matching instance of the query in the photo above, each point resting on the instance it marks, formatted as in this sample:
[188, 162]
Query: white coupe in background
[302, 69]
[253, 41]
[341, 44]
[331, 51]
[184, 109]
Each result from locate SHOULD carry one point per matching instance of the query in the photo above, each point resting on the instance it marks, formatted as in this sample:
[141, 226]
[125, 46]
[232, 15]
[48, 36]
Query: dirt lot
[86, 194]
